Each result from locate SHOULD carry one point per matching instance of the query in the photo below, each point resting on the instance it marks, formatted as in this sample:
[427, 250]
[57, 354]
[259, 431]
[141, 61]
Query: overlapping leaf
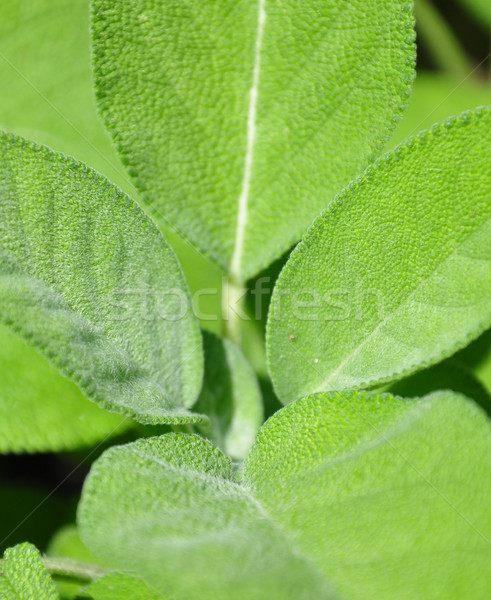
[240, 120]
[35, 399]
[396, 274]
[121, 586]
[88, 280]
[24, 577]
[230, 398]
[354, 495]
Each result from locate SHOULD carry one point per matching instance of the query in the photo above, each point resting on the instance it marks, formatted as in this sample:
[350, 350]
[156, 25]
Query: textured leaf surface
[24, 577]
[121, 586]
[241, 120]
[230, 398]
[87, 279]
[396, 274]
[35, 400]
[372, 495]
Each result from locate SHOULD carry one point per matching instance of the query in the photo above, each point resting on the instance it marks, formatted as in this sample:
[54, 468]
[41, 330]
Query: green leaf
[121, 586]
[24, 577]
[66, 543]
[230, 398]
[241, 120]
[371, 495]
[88, 280]
[43, 399]
[396, 274]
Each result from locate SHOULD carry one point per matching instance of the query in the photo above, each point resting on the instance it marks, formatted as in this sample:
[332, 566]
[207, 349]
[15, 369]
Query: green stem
[73, 569]
[233, 301]
[440, 40]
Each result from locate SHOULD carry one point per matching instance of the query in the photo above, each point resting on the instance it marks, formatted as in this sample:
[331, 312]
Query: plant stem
[233, 300]
[440, 40]
[73, 569]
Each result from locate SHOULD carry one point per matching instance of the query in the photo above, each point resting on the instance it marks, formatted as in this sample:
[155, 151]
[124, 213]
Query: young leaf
[230, 398]
[370, 495]
[88, 280]
[24, 577]
[43, 399]
[396, 274]
[241, 120]
[121, 586]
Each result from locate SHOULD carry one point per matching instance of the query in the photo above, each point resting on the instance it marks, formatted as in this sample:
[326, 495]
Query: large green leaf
[35, 399]
[396, 274]
[230, 398]
[371, 495]
[240, 120]
[24, 577]
[87, 279]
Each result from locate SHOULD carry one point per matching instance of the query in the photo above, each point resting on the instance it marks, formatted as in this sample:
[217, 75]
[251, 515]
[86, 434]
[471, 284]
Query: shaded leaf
[371, 495]
[87, 279]
[24, 577]
[240, 120]
[230, 398]
[43, 399]
[396, 274]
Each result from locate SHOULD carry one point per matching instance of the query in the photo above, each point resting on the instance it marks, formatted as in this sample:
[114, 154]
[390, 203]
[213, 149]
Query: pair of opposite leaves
[104, 296]
[346, 495]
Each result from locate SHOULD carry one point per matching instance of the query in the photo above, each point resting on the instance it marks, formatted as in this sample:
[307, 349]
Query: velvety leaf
[23, 575]
[230, 398]
[396, 274]
[371, 495]
[241, 120]
[35, 399]
[88, 280]
[121, 586]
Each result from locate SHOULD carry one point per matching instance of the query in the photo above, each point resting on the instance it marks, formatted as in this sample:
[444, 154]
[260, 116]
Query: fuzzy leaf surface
[87, 279]
[230, 397]
[241, 120]
[23, 575]
[396, 274]
[370, 495]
